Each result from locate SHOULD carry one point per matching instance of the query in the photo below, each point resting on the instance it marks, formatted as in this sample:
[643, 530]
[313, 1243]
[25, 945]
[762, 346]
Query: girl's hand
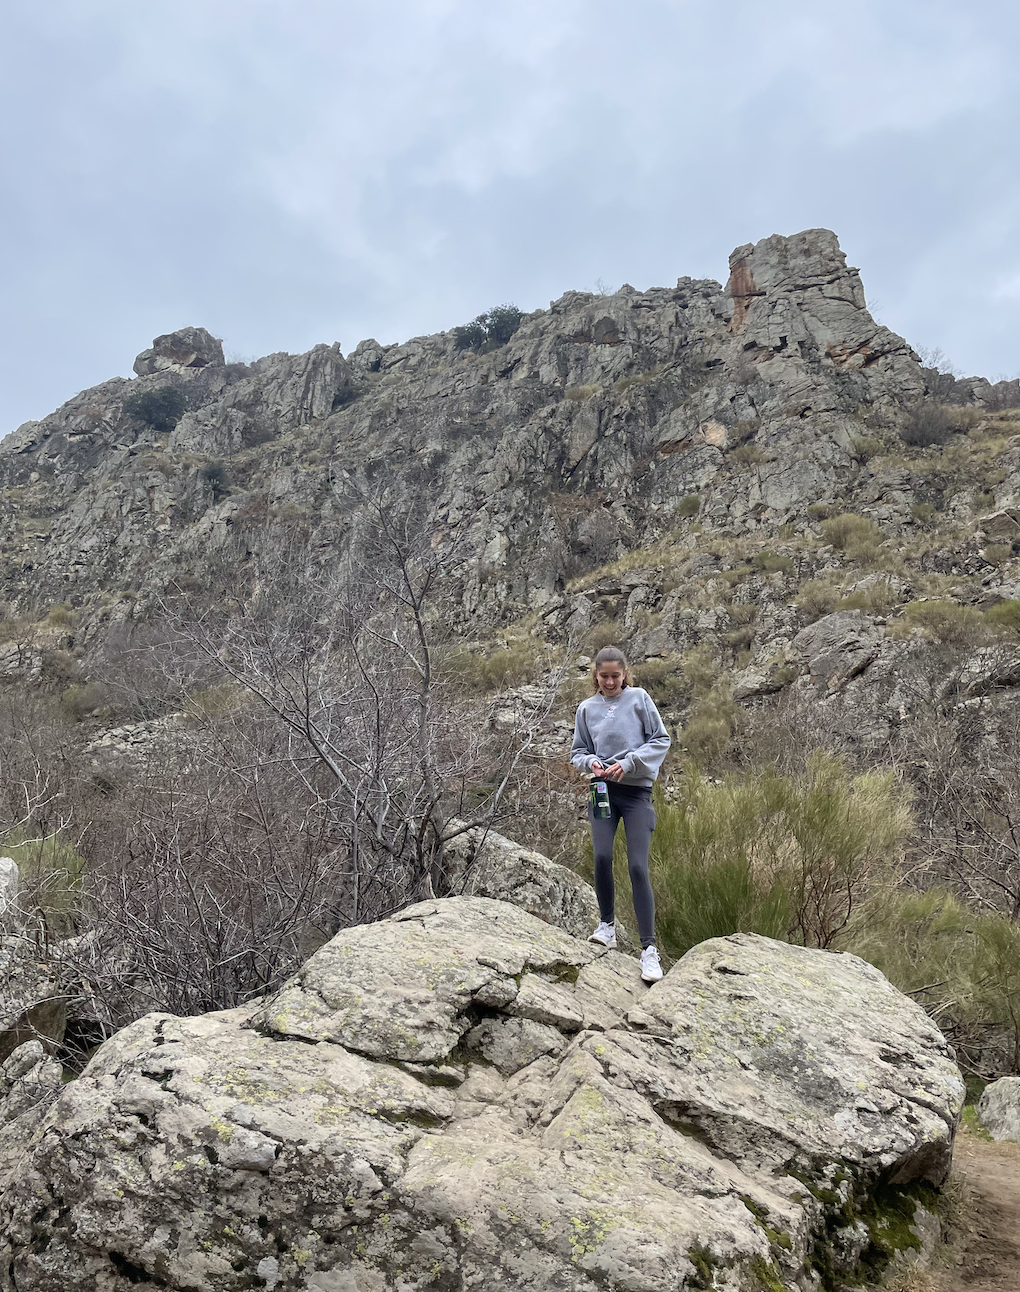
[614, 772]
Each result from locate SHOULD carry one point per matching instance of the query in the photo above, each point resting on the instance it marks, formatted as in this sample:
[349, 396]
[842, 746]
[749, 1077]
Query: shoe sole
[609, 946]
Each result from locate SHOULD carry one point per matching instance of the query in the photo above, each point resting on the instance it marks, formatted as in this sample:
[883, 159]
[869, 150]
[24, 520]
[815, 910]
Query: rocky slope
[491, 1101]
[602, 425]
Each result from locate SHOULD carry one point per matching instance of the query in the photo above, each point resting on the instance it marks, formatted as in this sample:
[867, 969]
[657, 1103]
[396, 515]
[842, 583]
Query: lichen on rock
[464, 1094]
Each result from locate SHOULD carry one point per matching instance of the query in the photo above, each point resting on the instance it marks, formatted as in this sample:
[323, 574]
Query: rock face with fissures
[465, 1097]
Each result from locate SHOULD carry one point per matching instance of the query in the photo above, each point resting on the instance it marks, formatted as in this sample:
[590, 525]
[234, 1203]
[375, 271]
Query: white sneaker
[651, 970]
[605, 935]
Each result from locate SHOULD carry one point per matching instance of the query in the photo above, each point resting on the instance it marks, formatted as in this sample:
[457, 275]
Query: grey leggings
[631, 804]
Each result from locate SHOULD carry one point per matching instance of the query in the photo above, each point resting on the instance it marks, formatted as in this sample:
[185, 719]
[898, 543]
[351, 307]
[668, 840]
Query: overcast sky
[285, 172]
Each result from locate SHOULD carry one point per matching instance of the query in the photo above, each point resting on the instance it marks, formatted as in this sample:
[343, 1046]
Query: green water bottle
[599, 797]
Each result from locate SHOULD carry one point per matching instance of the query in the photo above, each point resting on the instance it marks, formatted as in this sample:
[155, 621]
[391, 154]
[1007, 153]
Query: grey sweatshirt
[626, 729]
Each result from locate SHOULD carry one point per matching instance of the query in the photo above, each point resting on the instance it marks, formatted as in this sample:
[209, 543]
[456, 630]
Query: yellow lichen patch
[589, 1231]
[332, 1115]
[223, 1129]
[243, 1085]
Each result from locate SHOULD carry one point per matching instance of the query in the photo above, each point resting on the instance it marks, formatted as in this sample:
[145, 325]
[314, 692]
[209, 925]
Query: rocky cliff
[603, 424]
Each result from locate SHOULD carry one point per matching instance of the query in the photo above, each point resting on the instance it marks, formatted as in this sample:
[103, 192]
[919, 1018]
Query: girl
[619, 737]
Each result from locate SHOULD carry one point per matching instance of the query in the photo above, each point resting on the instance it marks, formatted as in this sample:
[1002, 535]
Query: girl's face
[610, 677]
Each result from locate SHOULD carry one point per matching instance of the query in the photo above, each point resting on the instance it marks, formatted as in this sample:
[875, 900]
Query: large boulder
[464, 1096]
[188, 347]
[484, 863]
[29, 1081]
[999, 1108]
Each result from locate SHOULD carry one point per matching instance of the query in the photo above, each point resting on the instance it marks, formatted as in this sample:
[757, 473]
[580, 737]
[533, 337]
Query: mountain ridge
[575, 440]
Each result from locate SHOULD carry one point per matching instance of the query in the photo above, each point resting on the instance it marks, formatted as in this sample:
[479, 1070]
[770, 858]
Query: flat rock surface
[465, 1097]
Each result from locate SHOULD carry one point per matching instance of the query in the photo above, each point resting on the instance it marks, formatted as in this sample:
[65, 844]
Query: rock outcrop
[999, 1108]
[579, 438]
[191, 347]
[465, 1096]
[484, 863]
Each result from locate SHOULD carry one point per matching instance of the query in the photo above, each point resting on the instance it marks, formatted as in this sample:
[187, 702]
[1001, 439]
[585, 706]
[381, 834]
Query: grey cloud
[285, 173]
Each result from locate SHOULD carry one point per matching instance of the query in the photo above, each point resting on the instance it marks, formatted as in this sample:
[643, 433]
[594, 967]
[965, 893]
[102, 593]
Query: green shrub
[490, 330]
[945, 621]
[922, 512]
[216, 701]
[637, 379]
[161, 409]
[609, 633]
[742, 612]
[865, 447]
[687, 508]
[663, 679]
[778, 855]
[876, 600]
[708, 729]
[997, 553]
[60, 616]
[701, 671]
[856, 536]
[771, 563]
[50, 873]
[502, 322]
[817, 597]
[708, 880]
[580, 394]
[58, 668]
[1005, 615]
[12, 628]
[749, 455]
[508, 666]
[847, 530]
[81, 701]
[963, 965]
[216, 477]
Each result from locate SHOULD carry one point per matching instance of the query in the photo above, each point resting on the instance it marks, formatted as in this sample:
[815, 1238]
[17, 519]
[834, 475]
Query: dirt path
[985, 1250]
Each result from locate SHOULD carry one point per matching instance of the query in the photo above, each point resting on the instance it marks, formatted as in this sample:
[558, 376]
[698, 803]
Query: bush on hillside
[928, 423]
[787, 857]
[507, 666]
[490, 330]
[846, 530]
[856, 536]
[962, 965]
[50, 873]
[161, 409]
[946, 621]
[217, 478]
[816, 597]
[1006, 616]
